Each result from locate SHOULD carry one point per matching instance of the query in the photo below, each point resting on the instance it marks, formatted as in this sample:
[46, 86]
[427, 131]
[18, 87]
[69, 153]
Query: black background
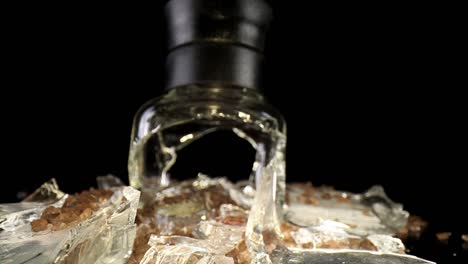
[370, 97]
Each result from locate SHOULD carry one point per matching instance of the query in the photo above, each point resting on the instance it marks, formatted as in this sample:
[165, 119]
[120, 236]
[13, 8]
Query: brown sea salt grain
[286, 230]
[443, 236]
[232, 220]
[326, 196]
[465, 237]
[75, 209]
[308, 195]
[140, 246]
[366, 212]
[366, 244]
[413, 229]
[39, 225]
[333, 244]
[342, 198]
[240, 254]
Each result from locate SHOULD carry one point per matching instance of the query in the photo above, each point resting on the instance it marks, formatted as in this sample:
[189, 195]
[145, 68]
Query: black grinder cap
[216, 41]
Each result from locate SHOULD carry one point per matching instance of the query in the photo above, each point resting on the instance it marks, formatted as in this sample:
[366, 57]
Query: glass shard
[211, 242]
[108, 182]
[324, 256]
[104, 236]
[317, 219]
[48, 192]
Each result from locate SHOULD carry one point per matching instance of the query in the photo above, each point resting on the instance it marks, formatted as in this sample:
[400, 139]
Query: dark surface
[370, 98]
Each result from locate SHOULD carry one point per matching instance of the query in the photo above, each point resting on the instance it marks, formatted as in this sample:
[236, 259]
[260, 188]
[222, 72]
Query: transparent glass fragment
[333, 219]
[387, 244]
[48, 192]
[391, 213]
[371, 212]
[329, 256]
[109, 181]
[105, 236]
[212, 241]
[190, 209]
[318, 221]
